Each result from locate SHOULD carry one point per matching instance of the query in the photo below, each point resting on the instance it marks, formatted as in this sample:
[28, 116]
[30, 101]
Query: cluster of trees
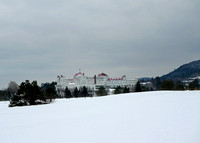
[82, 92]
[138, 87]
[159, 84]
[102, 91]
[119, 90]
[177, 85]
[174, 85]
[194, 85]
[31, 94]
[49, 90]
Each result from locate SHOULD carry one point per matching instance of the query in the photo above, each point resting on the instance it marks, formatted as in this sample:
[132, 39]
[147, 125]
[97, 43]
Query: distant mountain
[185, 71]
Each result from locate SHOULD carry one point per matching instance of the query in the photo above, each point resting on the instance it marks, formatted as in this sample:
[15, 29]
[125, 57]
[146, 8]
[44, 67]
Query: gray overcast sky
[40, 39]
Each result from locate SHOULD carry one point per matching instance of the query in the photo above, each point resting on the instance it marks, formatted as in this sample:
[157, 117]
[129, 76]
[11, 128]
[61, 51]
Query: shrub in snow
[18, 100]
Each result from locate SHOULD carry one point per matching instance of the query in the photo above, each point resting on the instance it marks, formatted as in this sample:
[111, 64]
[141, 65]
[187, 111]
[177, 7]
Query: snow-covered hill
[150, 117]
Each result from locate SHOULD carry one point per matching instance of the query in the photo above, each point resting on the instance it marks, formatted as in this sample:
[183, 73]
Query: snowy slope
[150, 117]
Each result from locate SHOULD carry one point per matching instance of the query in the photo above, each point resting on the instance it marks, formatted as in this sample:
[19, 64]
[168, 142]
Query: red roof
[79, 74]
[115, 78]
[102, 74]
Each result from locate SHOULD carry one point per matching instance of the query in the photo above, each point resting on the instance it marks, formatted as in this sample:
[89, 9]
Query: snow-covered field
[149, 117]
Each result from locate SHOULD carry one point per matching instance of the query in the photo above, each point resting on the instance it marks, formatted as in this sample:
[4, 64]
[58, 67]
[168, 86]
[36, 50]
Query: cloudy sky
[40, 39]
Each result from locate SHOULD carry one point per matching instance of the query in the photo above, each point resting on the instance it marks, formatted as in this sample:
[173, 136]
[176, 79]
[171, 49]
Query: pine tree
[49, 90]
[118, 90]
[76, 92]
[179, 85]
[50, 93]
[101, 91]
[67, 93]
[157, 83]
[84, 92]
[194, 85]
[126, 90]
[34, 92]
[168, 85]
[138, 87]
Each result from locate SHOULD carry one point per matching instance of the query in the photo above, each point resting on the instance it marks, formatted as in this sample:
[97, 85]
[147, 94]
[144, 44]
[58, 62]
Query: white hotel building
[92, 83]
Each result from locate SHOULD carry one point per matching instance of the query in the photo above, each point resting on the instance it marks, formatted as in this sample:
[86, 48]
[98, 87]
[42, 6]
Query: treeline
[29, 93]
[158, 84]
[101, 91]
[82, 92]
[85, 92]
[155, 84]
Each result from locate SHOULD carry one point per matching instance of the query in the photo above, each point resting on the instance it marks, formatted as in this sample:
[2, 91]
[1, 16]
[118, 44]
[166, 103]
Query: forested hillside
[185, 71]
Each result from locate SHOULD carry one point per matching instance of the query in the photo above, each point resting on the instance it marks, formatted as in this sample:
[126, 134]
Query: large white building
[92, 83]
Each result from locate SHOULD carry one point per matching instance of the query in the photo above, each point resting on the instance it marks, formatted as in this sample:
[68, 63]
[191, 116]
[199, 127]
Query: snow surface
[149, 117]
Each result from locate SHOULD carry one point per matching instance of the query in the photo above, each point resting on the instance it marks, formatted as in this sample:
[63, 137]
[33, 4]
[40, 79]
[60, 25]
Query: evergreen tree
[168, 85]
[194, 85]
[76, 92]
[143, 88]
[46, 85]
[50, 93]
[84, 92]
[179, 86]
[25, 91]
[34, 93]
[118, 90]
[157, 83]
[49, 90]
[101, 91]
[68, 93]
[126, 90]
[138, 87]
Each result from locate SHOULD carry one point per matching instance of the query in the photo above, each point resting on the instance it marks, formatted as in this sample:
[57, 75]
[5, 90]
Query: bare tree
[13, 87]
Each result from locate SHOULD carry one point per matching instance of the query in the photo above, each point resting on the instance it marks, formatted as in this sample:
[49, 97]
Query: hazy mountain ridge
[185, 71]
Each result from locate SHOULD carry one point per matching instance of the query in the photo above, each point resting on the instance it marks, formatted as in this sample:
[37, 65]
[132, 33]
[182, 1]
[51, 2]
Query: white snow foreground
[149, 117]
